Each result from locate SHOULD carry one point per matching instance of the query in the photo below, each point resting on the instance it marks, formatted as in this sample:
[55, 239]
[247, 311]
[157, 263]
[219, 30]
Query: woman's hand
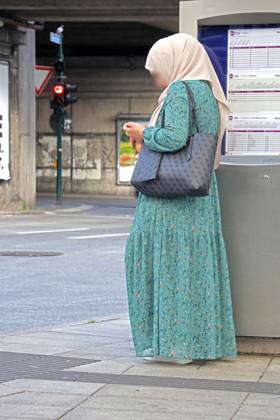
[134, 130]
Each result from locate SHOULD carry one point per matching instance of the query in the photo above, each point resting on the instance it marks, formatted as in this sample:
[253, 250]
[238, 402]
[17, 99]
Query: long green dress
[177, 277]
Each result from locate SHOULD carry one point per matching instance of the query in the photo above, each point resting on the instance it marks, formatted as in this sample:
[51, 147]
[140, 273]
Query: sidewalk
[70, 203]
[89, 371]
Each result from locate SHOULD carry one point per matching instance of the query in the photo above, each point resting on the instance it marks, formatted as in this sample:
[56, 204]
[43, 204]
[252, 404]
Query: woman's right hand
[134, 129]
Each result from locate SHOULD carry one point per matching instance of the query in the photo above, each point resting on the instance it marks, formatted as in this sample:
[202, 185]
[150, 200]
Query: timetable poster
[253, 91]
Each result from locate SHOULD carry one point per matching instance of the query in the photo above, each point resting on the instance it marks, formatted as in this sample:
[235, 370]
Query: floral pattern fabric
[177, 276]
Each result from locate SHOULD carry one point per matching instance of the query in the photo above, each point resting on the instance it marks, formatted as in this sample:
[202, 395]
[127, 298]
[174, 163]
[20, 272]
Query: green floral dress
[177, 276]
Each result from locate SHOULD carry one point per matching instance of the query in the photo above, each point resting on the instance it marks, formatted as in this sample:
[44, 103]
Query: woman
[177, 276]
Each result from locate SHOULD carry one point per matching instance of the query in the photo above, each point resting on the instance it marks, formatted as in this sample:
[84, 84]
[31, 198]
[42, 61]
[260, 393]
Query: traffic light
[57, 104]
[63, 94]
[58, 93]
[68, 97]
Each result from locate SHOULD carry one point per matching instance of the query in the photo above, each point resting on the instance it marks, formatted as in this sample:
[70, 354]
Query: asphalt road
[85, 282]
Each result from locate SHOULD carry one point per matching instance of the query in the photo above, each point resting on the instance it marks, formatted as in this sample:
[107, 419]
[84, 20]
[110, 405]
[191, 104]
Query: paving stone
[93, 329]
[87, 354]
[145, 392]
[244, 368]
[263, 399]
[122, 348]
[130, 359]
[272, 373]
[40, 385]
[43, 398]
[271, 377]
[36, 348]
[31, 411]
[104, 366]
[100, 414]
[219, 404]
[258, 412]
[164, 369]
[166, 405]
[62, 338]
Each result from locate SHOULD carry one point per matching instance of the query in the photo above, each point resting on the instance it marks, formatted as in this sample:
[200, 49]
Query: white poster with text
[253, 91]
[4, 121]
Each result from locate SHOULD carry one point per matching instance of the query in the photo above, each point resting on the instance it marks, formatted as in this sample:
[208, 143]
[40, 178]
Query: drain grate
[29, 254]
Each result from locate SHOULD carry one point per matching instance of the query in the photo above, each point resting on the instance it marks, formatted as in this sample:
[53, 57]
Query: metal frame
[120, 120]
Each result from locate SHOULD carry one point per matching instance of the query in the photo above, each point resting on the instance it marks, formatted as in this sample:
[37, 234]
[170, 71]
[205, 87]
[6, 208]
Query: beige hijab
[182, 57]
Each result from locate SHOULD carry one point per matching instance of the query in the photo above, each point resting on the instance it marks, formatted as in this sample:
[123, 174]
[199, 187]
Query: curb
[71, 324]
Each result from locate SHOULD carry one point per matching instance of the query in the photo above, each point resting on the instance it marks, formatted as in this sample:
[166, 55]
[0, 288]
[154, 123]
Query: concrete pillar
[18, 49]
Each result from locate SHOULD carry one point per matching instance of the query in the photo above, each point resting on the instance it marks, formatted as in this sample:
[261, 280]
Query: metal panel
[249, 190]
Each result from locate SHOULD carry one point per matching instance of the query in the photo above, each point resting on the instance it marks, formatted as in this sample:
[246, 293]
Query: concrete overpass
[163, 15]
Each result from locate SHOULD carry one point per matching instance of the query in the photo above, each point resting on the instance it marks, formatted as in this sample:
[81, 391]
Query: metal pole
[60, 121]
[59, 162]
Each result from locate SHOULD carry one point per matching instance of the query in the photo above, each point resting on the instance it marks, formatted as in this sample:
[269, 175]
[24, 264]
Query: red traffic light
[59, 89]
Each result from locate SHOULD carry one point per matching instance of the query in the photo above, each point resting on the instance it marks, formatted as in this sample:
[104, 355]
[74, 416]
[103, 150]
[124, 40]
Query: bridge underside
[104, 28]
[163, 14]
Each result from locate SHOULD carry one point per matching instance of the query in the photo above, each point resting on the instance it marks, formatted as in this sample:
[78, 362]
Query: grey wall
[107, 87]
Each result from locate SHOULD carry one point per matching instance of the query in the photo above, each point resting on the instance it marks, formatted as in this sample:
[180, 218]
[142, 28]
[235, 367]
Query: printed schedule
[253, 91]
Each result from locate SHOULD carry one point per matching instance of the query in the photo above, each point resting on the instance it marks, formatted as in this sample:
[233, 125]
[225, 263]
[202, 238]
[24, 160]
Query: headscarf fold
[182, 57]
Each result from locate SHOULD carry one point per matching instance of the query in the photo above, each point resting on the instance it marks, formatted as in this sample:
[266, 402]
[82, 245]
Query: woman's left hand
[134, 130]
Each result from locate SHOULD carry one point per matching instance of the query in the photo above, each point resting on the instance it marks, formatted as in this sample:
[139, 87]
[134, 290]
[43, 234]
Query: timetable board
[253, 91]
[246, 59]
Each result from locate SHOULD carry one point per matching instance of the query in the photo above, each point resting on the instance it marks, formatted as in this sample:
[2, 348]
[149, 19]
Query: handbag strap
[191, 99]
[192, 114]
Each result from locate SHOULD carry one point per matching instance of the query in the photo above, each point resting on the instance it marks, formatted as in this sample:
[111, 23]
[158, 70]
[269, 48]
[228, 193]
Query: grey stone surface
[31, 411]
[43, 385]
[65, 340]
[108, 414]
[161, 405]
[104, 366]
[244, 368]
[57, 399]
[124, 387]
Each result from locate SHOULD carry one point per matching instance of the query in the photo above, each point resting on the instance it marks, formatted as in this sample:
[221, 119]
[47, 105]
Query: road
[86, 281]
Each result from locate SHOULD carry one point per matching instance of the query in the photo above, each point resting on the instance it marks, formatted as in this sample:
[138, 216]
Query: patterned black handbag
[184, 172]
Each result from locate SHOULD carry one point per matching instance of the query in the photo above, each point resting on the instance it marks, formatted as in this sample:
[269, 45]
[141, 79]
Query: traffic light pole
[62, 96]
[60, 121]
[59, 162]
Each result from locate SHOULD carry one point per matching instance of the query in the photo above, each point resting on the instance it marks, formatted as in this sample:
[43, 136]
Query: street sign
[42, 76]
[55, 38]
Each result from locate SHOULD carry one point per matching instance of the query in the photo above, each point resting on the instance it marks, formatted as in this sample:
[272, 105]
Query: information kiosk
[243, 42]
